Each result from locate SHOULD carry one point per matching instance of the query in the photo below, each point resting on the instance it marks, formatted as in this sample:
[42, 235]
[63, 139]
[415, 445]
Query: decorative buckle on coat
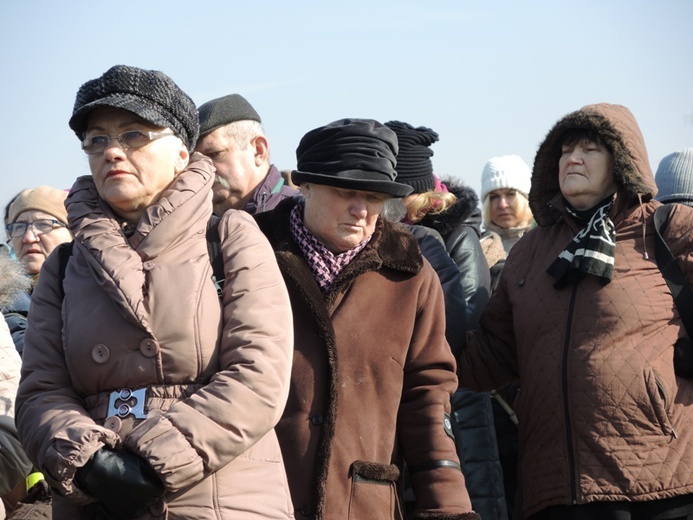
[122, 403]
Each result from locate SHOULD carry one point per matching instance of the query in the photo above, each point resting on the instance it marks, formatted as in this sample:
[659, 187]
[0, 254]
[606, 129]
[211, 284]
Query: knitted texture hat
[414, 166]
[44, 198]
[505, 172]
[358, 154]
[149, 94]
[674, 177]
[224, 110]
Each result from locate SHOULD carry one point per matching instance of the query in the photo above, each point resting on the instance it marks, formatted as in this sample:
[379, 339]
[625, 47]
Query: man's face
[237, 171]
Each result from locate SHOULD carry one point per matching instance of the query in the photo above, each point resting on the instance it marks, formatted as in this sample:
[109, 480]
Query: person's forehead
[33, 214]
[214, 140]
[110, 115]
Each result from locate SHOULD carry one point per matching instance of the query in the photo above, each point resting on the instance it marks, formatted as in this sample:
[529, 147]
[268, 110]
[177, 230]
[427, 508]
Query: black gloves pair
[123, 483]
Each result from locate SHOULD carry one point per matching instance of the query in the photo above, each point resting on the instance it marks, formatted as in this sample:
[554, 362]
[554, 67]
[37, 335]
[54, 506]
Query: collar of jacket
[392, 245]
[463, 212]
[272, 183]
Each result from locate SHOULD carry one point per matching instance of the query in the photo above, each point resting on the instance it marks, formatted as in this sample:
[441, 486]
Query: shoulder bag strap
[678, 285]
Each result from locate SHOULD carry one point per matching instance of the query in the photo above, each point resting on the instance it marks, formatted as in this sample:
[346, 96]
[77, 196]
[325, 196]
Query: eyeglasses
[39, 227]
[128, 140]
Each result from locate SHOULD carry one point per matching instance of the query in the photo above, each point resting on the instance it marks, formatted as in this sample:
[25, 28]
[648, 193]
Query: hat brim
[392, 188]
[79, 120]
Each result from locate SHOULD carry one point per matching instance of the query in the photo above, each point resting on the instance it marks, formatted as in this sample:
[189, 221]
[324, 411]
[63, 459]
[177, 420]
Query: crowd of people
[191, 333]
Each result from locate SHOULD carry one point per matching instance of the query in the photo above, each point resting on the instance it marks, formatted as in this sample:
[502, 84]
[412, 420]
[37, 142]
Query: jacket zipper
[566, 401]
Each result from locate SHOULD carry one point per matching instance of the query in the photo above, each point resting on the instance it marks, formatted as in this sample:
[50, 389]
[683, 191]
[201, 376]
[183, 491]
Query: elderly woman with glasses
[144, 392]
[36, 223]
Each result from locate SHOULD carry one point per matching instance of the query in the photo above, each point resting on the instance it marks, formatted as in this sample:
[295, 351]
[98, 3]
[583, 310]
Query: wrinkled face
[237, 172]
[32, 249]
[504, 208]
[133, 179]
[341, 218]
[585, 174]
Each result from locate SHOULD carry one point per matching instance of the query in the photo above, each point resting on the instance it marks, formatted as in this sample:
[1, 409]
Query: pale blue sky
[490, 77]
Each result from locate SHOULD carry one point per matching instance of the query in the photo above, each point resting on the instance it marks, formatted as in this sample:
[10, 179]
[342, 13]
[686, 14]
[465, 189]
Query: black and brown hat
[358, 154]
[149, 94]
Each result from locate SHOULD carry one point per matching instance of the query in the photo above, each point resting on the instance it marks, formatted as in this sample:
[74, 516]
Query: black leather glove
[683, 358]
[121, 481]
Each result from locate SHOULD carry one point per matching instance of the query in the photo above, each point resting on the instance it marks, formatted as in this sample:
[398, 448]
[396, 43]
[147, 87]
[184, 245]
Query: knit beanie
[414, 166]
[674, 177]
[225, 110]
[505, 172]
[44, 198]
[149, 94]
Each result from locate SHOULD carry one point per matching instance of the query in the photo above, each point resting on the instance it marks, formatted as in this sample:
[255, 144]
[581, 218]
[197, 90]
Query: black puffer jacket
[460, 228]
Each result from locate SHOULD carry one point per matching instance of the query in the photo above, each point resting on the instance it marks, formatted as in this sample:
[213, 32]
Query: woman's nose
[30, 235]
[113, 150]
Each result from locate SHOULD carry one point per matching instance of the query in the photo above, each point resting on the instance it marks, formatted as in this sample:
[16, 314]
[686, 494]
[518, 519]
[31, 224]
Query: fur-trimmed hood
[13, 279]
[621, 134]
[464, 211]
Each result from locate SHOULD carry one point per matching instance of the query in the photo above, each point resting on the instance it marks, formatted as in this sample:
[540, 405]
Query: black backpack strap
[214, 250]
[64, 254]
[678, 285]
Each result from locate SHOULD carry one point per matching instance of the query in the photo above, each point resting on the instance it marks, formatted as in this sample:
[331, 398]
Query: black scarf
[592, 249]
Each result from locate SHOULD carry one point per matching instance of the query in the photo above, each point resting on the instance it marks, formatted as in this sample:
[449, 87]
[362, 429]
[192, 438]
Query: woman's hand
[123, 482]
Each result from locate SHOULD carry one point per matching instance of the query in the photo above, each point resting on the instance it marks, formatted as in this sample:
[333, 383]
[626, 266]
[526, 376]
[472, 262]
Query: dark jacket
[370, 384]
[269, 193]
[602, 415]
[16, 313]
[459, 227]
[433, 249]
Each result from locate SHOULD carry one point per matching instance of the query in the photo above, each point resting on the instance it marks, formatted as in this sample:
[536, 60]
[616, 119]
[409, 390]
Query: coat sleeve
[54, 427]
[465, 249]
[246, 398]
[424, 429]
[488, 359]
[14, 464]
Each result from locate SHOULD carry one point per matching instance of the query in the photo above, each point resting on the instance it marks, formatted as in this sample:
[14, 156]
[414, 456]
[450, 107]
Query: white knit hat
[506, 172]
[674, 177]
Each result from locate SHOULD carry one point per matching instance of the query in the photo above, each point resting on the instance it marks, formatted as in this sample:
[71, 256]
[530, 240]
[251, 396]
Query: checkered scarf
[592, 249]
[324, 264]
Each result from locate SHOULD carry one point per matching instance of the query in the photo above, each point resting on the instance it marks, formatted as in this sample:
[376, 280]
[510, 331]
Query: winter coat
[461, 233]
[142, 313]
[269, 193]
[460, 228]
[433, 249]
[602, 416]
[370, 384]
[14, 464]
[16, 313]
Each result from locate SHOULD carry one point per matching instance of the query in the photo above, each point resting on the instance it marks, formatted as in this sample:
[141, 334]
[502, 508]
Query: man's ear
[261, 148]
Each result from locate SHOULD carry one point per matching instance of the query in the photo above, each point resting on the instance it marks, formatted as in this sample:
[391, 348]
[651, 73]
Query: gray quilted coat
[602, 415]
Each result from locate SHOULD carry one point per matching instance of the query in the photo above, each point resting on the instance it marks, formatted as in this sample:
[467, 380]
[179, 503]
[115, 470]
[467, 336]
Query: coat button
[316, 420]
[149, 347]
[100, 353]
[148, 265]
[113, 423]
[306, 511]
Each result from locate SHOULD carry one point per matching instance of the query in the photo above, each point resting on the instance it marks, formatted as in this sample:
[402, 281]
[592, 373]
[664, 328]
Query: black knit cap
[149, 94]
[358, 154]
[224, 110]
[414, 166]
